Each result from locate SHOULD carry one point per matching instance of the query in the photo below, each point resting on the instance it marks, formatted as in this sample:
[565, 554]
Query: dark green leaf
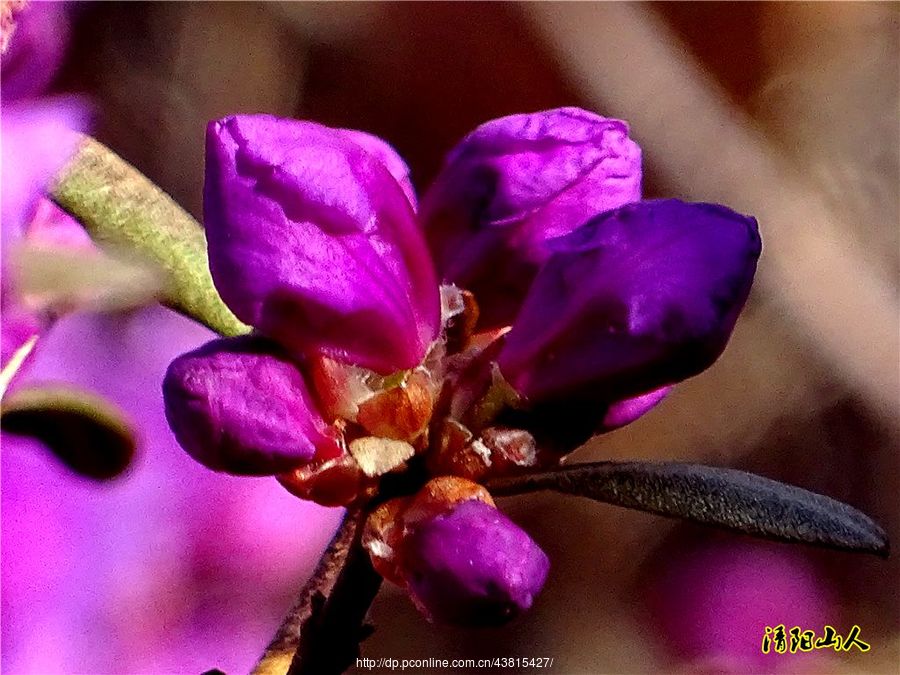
[726, 498]
[85, 431]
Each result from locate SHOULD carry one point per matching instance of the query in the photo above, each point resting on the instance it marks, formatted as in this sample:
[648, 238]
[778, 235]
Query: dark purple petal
[473, 566]
[636, 299]
[313, 241]
[516, 182]
[238, 406]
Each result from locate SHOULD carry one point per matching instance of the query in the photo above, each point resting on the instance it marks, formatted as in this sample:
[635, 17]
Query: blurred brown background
[788, 111]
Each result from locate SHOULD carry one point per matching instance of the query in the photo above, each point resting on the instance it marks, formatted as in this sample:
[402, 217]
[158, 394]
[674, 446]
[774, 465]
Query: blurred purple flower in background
[170, 568]
[36, 140]
[712, 602]
[36, 49]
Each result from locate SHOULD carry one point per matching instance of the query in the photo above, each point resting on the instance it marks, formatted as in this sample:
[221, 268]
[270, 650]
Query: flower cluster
[530, 301]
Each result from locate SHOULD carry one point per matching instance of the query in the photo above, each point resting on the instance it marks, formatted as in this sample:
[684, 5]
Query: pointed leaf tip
[726, 498]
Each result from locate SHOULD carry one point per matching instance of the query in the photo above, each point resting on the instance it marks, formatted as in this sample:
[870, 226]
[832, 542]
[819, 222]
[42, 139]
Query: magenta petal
[52, 227]
[516, 182]
[37, 140]
[313, 241]
[473, 566]
[638, 298]
[35, 50]
[238, 406]
[387, 156]
[627, 410]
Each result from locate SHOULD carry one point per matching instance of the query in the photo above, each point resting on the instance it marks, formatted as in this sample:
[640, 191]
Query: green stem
[121, 208]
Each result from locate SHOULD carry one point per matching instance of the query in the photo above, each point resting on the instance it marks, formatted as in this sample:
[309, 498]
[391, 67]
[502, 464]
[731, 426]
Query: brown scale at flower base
[384, 422]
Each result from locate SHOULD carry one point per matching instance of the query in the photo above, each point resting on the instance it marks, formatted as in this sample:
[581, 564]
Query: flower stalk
[322, 631]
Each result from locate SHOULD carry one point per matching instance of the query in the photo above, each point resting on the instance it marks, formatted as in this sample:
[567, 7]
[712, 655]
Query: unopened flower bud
[313, 240]
[513, 184]
[240, 406]
[460, 559]
[636, 299]
[387, 526]
[472, 566]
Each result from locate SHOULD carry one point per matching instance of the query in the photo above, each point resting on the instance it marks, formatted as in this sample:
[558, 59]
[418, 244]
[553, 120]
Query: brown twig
[322, 631]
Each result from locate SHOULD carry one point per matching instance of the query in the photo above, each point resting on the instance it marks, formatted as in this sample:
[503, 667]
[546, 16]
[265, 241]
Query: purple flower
[239, 406]
[513, 184]
[313, 240]
[637, 298]
[472, 565]
[711, 602]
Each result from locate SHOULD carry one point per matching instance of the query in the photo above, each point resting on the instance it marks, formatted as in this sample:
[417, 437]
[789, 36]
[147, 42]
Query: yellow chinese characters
[782, 641]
